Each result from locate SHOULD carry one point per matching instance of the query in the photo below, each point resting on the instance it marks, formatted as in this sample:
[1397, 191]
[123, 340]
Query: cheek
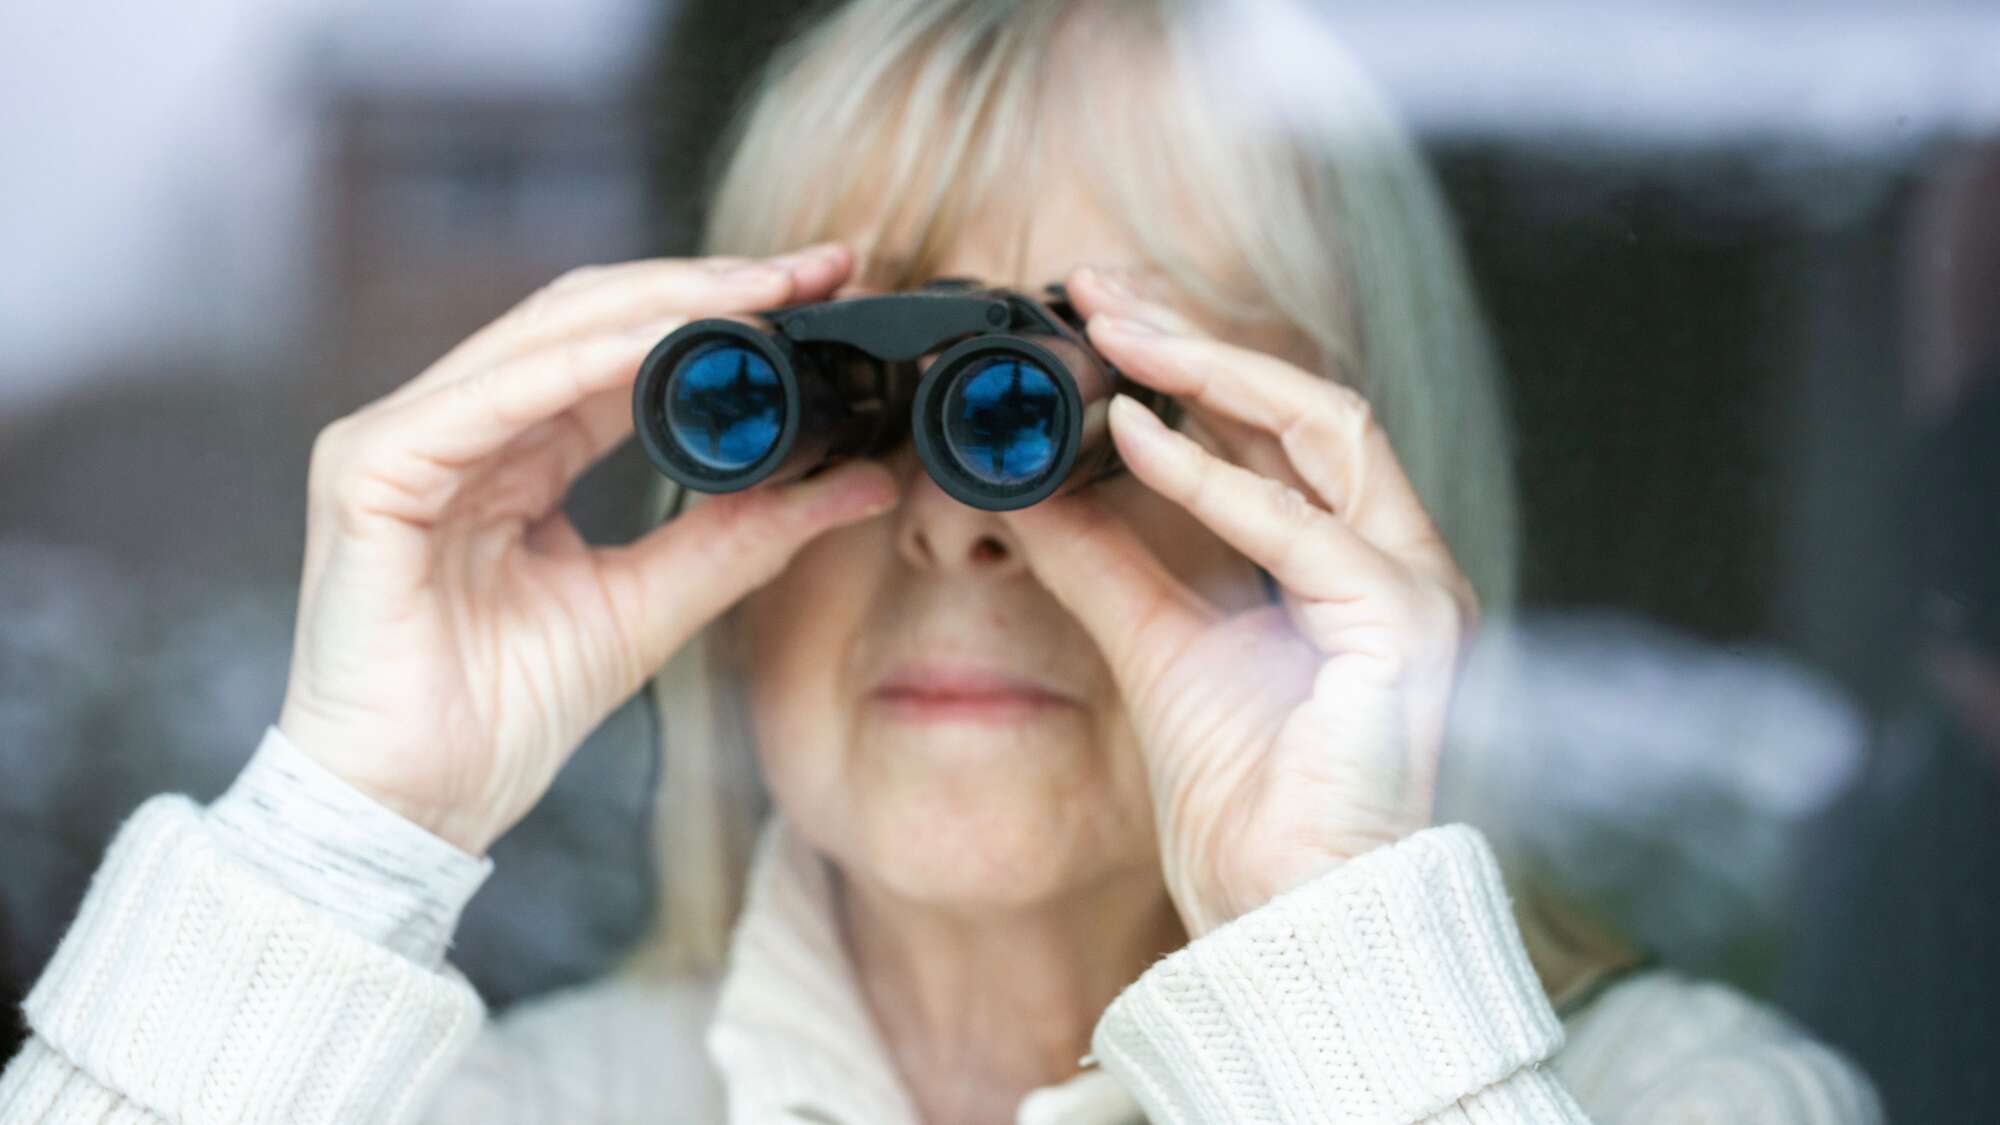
[795, 640]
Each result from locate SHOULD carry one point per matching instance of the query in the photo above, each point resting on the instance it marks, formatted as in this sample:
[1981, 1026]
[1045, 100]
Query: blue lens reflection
[724, 406]
[1002, 419]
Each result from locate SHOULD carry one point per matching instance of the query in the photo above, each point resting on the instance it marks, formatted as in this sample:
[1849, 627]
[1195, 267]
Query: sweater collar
[792, 1037]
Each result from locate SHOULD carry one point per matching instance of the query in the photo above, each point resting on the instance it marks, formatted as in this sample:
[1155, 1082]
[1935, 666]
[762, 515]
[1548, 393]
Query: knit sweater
[278, 956]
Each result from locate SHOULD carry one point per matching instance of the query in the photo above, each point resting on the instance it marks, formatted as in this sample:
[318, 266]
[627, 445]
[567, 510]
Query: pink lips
[938, 692]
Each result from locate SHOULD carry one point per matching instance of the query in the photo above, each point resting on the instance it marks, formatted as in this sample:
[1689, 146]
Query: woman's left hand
[1283, 740]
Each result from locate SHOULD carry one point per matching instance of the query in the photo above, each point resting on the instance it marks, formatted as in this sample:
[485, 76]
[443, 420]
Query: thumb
[1134, 609]
[674, 580]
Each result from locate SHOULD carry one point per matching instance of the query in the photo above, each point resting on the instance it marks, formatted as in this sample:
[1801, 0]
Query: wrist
[333, 846]
[329, 746]
[466, 834]
[1254, 872]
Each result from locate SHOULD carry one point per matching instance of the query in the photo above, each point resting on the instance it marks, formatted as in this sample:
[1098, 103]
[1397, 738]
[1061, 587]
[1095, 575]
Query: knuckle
[1294, 513]
[331, 453]
[1440, 618]
[1446, 614]
[352, 501]
[331, 439]
[1343, 420]
[1350, 405]
[1295, 526]
[577, 277]
[1203, 491]
[1471, 611]
[739, 525]
[1352, 416]
[532, 309]
[1206, 363]
[539, 306]
[475, 396]
[363, 481]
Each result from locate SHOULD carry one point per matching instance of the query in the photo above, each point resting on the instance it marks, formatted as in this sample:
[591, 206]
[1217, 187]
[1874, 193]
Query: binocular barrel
[721, 405]
[1000, 419]
[1002, 422]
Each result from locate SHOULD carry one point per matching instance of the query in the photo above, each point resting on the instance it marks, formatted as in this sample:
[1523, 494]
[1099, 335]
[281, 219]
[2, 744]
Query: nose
[937, 533]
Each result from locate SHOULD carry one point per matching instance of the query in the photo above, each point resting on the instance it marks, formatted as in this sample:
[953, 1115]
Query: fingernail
[1115, 283]
[804, 254]
[1130, 326]
[753, 271]
[1136, 416]
[880, 492]
[882, 502]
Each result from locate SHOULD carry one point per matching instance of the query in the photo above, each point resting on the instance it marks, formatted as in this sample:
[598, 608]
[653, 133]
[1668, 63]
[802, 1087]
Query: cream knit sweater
[278, 957]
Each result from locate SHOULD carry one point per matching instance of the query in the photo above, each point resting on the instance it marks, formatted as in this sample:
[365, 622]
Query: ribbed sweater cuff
[199, 990]
[344, 853]
[1393, 989]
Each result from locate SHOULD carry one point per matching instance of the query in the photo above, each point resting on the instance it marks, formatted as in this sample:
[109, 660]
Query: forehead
[1021, 240]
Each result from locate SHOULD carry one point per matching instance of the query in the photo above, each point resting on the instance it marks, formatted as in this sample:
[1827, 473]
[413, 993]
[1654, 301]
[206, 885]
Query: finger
[1310, 551]
[1095, 289]
[1245, 445]
[555, 534]
[598, 299]
[461, 422]
[1134, 609]
[1327, 431]
[676, 579]
[409, 460]
[530, 476]
[599, 424]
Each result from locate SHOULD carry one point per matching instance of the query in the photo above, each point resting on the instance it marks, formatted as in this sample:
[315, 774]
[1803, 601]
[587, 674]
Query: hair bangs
[938, 134]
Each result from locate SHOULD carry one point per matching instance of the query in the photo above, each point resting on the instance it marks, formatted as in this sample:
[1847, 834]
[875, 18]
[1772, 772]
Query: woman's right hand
[456, 638]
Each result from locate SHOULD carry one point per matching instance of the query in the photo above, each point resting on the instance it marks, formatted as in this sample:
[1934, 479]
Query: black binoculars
[1010, 411]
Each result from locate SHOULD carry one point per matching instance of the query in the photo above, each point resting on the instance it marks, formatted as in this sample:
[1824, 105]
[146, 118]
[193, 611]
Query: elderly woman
[1115, 805]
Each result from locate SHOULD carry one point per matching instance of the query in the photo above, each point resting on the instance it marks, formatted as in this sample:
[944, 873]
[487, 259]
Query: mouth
[943, 692]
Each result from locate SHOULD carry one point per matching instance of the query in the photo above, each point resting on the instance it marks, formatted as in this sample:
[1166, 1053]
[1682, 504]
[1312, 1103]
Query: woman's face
[926, 714]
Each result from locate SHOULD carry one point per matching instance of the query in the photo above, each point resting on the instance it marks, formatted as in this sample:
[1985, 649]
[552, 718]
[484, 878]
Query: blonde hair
[1333, 226]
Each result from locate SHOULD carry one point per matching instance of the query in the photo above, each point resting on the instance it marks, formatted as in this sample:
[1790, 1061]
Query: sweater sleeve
[1393, 989]
[230, 964]
[345, 853]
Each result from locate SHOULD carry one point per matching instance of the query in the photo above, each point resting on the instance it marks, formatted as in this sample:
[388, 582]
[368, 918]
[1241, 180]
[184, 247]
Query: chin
[978, 810]
[985, 817]
[990, 858]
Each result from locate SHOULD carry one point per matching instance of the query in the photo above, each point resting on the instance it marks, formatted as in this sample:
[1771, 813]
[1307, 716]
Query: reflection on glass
[1001, 421]
[724, 406]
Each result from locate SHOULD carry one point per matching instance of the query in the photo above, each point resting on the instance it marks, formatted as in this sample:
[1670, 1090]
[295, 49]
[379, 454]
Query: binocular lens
[725, 406]
[1005, 416]
[1002, 420]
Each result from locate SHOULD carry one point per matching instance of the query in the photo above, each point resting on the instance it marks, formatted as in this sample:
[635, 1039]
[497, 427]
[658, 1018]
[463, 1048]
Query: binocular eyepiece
[1008, 409]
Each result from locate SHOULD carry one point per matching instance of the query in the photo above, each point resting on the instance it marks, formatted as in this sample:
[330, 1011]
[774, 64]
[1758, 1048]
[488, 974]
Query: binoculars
[1001, 393]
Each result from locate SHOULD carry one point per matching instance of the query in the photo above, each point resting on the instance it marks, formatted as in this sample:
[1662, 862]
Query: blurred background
[1743, 263]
